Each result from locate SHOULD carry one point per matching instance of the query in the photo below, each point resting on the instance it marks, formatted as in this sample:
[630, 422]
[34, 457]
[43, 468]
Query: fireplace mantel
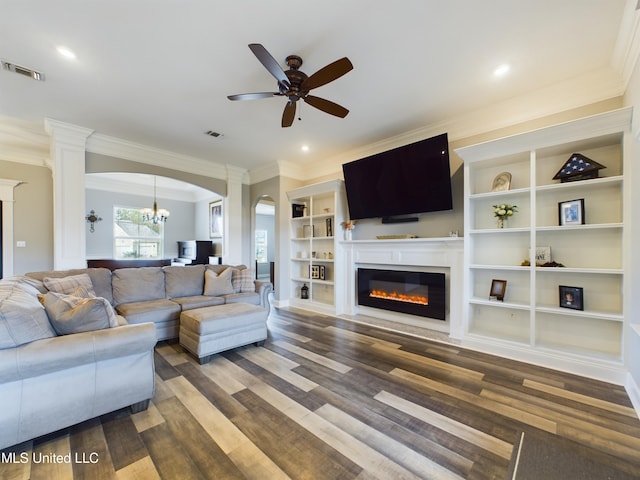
[441, 254]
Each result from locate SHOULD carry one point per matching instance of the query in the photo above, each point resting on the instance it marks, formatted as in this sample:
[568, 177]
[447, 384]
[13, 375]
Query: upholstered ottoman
[209, 330]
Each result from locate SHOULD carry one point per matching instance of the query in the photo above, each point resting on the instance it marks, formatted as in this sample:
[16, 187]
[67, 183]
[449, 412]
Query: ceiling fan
[295, 85]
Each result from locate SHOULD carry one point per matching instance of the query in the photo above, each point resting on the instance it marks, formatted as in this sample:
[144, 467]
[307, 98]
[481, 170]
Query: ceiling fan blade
[326, 106]
[289, 114]
[253, 96]
[328, 74]
[270, 63]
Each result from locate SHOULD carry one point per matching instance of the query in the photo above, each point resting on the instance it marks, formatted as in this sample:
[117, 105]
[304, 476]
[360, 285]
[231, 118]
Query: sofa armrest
[59, 353]
[264, 288]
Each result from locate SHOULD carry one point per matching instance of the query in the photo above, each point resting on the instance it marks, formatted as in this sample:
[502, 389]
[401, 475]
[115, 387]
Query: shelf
[581, 184]
[597, 271]
[503, 194]
[498, 304]
[500, 267]
[500, 231]
[606, 316]
[590, 226]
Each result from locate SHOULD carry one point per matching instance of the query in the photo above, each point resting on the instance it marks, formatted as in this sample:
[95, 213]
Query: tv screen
[411, 179]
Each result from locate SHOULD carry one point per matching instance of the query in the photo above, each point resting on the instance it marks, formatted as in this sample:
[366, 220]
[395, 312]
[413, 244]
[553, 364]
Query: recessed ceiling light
[65, 52]
[305, 148]
[501, 70]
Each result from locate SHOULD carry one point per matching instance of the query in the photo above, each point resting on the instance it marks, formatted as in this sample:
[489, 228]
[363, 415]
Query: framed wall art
[216, 219]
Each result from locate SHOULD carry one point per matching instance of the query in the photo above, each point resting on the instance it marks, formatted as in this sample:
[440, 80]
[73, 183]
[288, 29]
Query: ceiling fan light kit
[296, 85]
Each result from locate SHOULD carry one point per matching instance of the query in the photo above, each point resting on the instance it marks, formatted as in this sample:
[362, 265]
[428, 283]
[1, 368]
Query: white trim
[633, 390]
[6, 196]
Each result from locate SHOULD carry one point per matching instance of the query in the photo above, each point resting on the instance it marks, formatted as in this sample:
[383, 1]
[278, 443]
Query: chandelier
[154, 215]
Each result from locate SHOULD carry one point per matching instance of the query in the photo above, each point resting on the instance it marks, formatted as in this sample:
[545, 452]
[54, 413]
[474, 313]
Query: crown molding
[23, 142]
[627, 49]
[589, 89]
[264, 172]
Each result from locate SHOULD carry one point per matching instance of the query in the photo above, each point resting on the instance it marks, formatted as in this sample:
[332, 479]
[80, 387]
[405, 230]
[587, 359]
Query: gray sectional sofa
[160, 294]
[56, 371]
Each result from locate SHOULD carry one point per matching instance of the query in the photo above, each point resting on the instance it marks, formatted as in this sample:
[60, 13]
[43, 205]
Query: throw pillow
[22, 318]
[217, 285]
[68, 284]
[69, 314]
[242, 280]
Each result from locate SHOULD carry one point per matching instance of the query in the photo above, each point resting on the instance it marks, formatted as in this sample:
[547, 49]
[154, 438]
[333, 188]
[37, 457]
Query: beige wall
[33, 210]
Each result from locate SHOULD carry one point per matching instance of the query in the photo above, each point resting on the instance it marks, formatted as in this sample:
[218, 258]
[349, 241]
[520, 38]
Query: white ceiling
[158, 72]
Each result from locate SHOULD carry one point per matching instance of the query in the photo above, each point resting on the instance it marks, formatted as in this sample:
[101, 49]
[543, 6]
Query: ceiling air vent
[27, 72]
[211, 133]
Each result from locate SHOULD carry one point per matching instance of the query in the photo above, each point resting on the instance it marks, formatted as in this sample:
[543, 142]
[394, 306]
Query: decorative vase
[347, 235]
[501, 222]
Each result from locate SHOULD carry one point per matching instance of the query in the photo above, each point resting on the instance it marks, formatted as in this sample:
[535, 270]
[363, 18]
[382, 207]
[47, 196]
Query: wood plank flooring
[331, 399]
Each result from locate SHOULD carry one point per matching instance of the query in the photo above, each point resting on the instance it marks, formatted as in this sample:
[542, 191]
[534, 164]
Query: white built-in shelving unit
[315, 247]
[530, 324]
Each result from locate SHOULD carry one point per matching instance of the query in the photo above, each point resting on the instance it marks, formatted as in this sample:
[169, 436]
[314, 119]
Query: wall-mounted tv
[411, 179]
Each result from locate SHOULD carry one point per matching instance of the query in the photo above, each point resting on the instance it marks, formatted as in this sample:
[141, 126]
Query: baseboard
[634, 393]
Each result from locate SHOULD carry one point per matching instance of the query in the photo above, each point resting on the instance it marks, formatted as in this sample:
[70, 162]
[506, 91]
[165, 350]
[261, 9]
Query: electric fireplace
[415, 293]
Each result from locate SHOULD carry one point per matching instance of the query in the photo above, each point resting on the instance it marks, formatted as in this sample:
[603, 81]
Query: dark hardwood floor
[332, 399]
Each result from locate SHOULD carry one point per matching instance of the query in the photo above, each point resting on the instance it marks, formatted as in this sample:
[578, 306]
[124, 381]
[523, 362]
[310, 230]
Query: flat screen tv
[411, 179]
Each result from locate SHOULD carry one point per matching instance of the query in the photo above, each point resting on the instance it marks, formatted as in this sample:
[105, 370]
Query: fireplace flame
[399, 297]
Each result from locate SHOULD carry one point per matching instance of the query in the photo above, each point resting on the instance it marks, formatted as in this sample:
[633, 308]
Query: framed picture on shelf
[215, 219]
[543, 255]
[498, 289]
[502, 182]
[323, 272]
[297, 210]
[315, 272]
[571, 212]
[571, 297]
[329, 224]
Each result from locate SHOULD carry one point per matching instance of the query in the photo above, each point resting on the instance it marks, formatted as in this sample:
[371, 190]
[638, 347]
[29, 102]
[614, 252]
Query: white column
[233, 217]
[6, 196]
[67, 157]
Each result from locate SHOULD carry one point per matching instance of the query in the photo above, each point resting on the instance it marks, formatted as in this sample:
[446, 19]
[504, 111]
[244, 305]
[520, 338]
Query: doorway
[264, 239]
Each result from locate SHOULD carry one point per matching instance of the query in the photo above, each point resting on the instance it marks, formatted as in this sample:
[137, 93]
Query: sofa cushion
[220, 268]
[242, 280]
[66, 285]
[156, 311]
[69, 314]
[137, 284]
[247, 297]
[184, 281]
[216, 285]
[198, 301]
[22, 318]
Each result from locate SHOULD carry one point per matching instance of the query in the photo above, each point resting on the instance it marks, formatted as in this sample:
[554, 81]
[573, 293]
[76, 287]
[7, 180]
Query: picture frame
[315, 272]
[571, 297]
[498, 289]
[571, 212]
[502, 182]
[542, 255]
[308, 231]
[216, 219]
[329, 225]
[323, 272]
[297, 210]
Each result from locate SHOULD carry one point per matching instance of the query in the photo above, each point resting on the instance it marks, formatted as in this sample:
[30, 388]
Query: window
[261, 246]
[134, 238]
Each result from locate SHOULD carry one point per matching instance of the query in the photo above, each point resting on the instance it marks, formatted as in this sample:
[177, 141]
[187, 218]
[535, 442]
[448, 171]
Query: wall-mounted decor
[216, 219]
[502, 182]
[498, 289]
[578, 167]
[92, 218]
[571, 212]
[571, 297]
